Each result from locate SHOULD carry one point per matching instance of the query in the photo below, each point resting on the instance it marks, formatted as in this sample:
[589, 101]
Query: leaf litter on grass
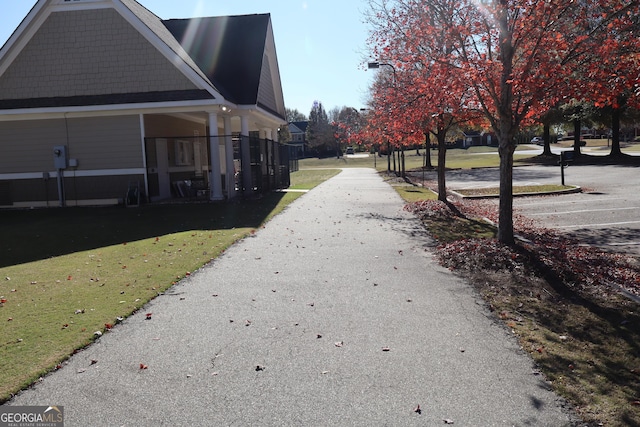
[561, 298]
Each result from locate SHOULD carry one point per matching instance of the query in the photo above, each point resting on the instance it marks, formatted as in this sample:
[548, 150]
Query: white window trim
[184, 153]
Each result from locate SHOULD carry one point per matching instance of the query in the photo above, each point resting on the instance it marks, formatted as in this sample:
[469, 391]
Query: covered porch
[212, 156]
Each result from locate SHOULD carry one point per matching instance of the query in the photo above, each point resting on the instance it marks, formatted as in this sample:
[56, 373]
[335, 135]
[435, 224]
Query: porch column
[230, 166]
[215, 181]
[246, 155]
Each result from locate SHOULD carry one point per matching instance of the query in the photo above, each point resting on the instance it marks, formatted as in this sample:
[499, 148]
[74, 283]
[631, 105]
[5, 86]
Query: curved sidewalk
[334, 314]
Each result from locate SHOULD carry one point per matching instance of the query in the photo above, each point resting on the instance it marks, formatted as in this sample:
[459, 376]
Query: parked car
[537, 140]
[349, 150]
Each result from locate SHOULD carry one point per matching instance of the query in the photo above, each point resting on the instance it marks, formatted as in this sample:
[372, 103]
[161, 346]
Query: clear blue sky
[321, 44]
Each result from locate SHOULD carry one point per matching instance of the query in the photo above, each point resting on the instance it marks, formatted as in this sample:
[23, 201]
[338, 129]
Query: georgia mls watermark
[31, 416]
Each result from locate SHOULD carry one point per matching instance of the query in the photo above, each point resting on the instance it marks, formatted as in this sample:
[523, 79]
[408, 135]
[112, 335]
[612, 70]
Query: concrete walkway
[334, 314]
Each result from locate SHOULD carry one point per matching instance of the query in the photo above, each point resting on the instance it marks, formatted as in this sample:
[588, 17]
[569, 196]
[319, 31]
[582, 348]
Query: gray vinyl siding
[97, 143]
[266, 92]
[106, 142]
[89, 52]
[27, 146]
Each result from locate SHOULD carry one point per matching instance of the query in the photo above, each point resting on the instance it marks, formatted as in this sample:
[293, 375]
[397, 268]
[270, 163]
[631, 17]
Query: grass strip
[517, 189]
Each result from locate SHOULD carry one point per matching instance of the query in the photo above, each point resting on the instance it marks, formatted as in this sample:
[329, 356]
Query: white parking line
[582, 211]
[598, 225]
[568, 202]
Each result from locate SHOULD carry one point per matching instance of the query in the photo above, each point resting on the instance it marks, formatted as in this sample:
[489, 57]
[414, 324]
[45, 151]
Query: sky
[321, 44]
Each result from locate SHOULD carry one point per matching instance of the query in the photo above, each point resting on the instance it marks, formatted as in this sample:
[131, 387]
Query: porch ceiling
[202, 117]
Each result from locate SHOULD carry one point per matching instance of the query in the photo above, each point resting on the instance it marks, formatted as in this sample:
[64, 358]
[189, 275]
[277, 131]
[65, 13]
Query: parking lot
[606, 213]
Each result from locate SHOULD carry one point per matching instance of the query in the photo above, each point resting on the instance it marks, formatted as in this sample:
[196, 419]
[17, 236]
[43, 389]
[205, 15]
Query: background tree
[579, 114]
[423, 98]
[548, 119]
[612, 81]
[293, 115]
[284, 135]
[345, 122]
[319, 132]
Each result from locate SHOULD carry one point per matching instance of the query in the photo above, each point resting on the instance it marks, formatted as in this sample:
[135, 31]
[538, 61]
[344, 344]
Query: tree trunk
[388, 157]
[577, 131]
[547, 140]
[615, 133]
[402, 165]
[393, 154]
[442, 155]
[506, 125]
[505, 210]
[427, 151]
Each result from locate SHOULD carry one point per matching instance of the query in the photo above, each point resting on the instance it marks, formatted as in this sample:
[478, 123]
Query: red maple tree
[510, 59]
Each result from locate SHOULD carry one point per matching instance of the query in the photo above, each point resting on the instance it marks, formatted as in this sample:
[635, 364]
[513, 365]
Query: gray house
[298, 131]
[101, 100]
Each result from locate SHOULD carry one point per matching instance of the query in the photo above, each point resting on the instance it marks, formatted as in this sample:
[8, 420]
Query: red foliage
[509, 62]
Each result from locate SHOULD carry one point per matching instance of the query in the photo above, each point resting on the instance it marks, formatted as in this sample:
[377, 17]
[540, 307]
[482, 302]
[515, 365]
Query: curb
[576, 189]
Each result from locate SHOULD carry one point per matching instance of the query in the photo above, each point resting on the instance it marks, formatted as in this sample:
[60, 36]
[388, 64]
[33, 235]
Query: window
[184, 155]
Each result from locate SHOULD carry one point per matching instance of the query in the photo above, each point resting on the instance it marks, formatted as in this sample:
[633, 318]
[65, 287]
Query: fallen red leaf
[108, 325]
[3, 300]
[143, 366]
[418, 410]
[149, 316]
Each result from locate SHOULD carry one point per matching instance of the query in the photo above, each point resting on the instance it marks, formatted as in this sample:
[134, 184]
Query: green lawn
[473, 157]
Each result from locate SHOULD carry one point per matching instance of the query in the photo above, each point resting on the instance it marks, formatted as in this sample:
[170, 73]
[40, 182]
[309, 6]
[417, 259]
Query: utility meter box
[60, 157]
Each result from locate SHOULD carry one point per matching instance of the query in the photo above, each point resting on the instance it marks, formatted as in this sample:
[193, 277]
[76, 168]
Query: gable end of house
[103, 55]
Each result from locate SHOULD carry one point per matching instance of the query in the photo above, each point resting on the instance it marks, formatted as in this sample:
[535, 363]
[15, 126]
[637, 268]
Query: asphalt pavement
[604, 214]
[333, 314]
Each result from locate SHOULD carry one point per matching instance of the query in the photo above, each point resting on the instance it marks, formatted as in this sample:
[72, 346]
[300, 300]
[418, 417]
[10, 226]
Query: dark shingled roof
[301, 125]
[228, 49]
